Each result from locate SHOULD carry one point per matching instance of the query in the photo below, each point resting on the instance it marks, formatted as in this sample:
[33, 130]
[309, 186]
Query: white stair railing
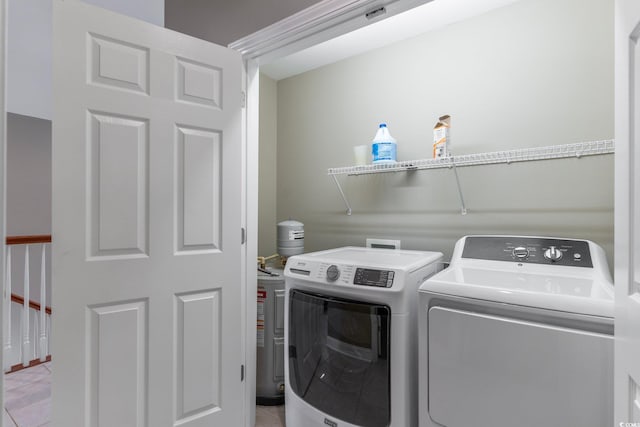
[44, 351]
[27, 322]
[26, 344]
[6, 300]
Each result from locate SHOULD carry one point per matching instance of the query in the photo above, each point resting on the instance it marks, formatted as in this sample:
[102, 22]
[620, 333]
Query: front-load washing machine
[350, 336]
[517, 331]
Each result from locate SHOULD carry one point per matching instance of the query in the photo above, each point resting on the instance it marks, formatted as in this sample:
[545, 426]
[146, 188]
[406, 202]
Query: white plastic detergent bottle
[383, 148]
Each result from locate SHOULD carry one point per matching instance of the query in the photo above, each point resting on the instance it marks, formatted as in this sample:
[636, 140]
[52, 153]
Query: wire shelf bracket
[577, 150]
[344, 198]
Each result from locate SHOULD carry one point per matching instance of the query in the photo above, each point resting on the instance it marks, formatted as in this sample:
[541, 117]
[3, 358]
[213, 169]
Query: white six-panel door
[627, 213]
[146, 223]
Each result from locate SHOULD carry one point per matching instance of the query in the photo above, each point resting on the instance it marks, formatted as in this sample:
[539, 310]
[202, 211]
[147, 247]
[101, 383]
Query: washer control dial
[333, 273]
[520, 252]
[553, 254]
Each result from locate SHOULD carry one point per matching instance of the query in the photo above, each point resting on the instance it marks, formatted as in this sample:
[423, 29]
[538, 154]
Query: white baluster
[34, 334]
[7, 313]
[25, 311]
[43, 312]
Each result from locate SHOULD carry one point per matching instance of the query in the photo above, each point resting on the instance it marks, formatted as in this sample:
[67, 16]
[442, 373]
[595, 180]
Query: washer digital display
[371, 277]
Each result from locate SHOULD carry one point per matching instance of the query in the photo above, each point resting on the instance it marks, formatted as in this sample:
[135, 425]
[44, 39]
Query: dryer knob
[520, 252]
[333, 273]
[553, 254]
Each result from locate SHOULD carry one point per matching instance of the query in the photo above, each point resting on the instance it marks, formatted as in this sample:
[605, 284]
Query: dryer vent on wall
[383, 244]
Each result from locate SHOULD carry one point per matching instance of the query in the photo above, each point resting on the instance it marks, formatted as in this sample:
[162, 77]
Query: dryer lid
[525, 285]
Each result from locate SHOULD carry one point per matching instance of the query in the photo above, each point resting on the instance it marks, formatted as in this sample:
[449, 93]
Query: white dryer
[350, 329]
[517, 331]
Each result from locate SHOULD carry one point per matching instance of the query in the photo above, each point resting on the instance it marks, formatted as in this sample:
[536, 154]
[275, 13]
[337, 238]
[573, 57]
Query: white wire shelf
[579, 149]
[521, 155]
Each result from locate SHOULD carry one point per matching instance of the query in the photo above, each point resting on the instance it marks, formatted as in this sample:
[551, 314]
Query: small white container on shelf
[360, 154]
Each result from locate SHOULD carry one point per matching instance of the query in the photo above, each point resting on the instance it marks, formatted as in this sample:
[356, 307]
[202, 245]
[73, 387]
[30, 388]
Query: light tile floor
[28, 397]
[270, 416]
[28, 401]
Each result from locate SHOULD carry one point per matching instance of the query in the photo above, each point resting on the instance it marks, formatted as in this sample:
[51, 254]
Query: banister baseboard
[34, 362]
[32, 304]
[27, 240]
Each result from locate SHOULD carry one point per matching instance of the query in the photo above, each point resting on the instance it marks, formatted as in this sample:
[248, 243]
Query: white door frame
[318, 23]
[250, 214]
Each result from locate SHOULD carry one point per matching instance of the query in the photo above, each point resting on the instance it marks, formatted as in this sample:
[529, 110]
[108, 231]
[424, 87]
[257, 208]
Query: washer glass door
[339, 357]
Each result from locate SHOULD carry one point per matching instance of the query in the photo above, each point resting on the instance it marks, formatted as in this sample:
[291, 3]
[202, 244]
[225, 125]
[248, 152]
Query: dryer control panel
[533, 250]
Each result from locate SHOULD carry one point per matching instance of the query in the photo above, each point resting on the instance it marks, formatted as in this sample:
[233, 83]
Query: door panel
[198, 189]
[118, 64]
[147, 158]
[118, 154]
[199, 83]
[117, 357]
[198, 353]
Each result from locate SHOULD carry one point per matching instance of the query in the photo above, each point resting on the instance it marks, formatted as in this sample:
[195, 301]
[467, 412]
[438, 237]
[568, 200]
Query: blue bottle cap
[383, 125]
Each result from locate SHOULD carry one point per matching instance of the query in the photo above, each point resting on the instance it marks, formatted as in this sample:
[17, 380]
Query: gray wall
[536, 73]
[223, 22]
[28, 175]
[29, 60]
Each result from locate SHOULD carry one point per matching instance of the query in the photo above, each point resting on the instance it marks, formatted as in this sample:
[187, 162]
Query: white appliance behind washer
[517, 331]
[350, 336]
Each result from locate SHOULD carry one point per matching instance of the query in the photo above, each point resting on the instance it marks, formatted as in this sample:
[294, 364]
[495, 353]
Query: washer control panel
[534, 250]
[345, 274]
